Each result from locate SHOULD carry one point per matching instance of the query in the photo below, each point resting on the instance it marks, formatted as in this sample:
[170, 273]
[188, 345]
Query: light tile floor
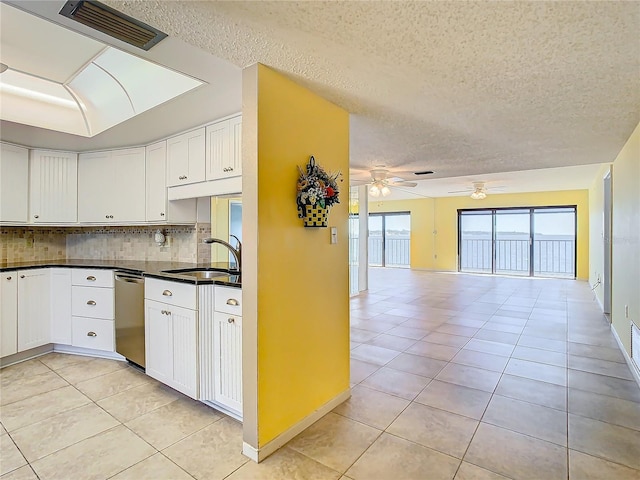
[453, 376]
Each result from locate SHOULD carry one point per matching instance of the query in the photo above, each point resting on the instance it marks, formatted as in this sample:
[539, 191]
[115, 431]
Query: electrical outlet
[626, 311]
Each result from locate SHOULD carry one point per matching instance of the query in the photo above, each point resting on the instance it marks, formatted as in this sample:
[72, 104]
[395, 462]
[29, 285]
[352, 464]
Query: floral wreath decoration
[317, 187]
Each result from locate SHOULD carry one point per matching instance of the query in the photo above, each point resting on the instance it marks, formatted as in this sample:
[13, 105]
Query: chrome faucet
[236, 252]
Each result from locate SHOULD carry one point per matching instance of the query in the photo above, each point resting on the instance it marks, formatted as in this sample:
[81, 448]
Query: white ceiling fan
[478, 191]
[382, 181]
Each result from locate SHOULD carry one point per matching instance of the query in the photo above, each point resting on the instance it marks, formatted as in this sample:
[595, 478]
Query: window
[532, 241]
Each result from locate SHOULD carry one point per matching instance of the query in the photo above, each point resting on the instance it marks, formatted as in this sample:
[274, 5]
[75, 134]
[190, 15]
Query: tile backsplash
[183, 243]
[21, 244]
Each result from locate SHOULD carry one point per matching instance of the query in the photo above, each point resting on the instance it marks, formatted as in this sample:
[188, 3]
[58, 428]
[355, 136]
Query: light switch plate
[334, 234]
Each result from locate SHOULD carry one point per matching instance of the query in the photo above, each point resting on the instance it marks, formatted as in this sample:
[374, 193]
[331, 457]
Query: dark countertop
[152, 269]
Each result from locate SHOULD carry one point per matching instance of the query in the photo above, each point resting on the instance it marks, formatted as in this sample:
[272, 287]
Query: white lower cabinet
[94, 333]
[61, 306]
[8, 313]
[227, 360]
[221, 347]
[92, 307]
[34, 325]
[171, 341]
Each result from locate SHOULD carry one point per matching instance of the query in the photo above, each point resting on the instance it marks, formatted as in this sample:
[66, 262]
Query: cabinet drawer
[171, 293]
[93, 333]
[92, 302]
[228, 300]
[92, 277]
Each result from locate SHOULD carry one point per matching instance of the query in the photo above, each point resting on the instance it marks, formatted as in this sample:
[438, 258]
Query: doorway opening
[531, 241]
[390, 239]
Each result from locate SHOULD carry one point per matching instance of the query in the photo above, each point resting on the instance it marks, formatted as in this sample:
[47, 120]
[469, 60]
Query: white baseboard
[631, 363]
[259, 454]
[89, 352]
[26, 355]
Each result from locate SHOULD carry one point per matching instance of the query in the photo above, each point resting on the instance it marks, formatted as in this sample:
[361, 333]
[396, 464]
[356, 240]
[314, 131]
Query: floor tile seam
[90, 378]
[566, 412]
[511, 429]
[424, 446]
[67, 411]
[30, 376]
[395, 395]
[341, 472]
[75, 443]
[475, 366]
[570, 449]
[602, 374]
[130, 466]
[411, 373]
[31, 396]
[24, 457]
[604, 394]
[637, 430]
[449, 411]
[244, 463]
[138, 416]
[220, 417]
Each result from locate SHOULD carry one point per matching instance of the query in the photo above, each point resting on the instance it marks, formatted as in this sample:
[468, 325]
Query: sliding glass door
[532, 241]
[554, 242]
[512, 242]
[389, 239]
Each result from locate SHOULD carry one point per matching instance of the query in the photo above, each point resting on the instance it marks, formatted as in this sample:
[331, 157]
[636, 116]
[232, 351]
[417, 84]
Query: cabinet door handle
[36, 216]
[233, 302]
[106, 216]
[91, 278]
[21, 276]
[167, 293]
[8, 278]
[162, 214]
[231, 320]
[91, 302]
[92, 334]
[110, 216]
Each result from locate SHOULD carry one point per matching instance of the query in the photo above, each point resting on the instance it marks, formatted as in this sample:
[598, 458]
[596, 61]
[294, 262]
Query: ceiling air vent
[113, 23]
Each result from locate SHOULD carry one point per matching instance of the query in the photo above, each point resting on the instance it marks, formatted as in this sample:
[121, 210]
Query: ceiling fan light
[478, 195]
[385, 191]
[374, 191]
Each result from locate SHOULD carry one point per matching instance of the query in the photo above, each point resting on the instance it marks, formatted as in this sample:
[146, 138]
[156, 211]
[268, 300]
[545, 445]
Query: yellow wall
[440, 251]
[295, 286]
[596, 233]
[626, 238]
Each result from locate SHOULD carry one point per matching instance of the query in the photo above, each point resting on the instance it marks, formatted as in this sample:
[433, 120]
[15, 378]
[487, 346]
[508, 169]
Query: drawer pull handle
[167, 293]
[91, 278]
[91, 302]
[233, 302]
[8, 278]
[92, 334]
[231, 320]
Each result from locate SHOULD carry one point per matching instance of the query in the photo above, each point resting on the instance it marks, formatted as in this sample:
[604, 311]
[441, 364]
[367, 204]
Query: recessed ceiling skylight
[91, 89]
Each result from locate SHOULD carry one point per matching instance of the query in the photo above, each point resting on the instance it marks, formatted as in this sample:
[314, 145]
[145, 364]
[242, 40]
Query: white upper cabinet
[14, 184]
[53, 187]
[111, 186]
[224, 143]
[185, 158]
[158, 209]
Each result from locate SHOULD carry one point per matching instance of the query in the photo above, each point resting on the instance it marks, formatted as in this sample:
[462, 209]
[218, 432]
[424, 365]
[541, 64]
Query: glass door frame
[492, 212]
[384, 232]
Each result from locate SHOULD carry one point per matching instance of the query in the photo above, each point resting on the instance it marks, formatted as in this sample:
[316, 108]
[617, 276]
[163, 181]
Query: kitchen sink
[200, 272]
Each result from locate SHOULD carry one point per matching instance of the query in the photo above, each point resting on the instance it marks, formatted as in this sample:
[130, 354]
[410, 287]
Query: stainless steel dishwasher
[129, 299]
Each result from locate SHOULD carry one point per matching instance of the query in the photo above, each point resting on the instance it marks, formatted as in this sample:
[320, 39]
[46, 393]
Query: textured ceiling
[462, 88]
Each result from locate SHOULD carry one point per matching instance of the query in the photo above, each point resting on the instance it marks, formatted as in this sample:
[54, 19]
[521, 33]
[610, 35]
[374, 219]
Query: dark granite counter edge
[146, 269]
